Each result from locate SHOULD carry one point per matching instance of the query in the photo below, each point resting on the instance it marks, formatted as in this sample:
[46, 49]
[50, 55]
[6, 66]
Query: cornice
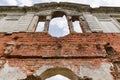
[63, 5]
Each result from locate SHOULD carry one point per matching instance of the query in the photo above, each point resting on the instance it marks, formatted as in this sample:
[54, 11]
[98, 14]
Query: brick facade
[29, 55]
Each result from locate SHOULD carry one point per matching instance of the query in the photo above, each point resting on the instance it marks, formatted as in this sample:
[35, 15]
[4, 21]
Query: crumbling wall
[11, 73]
[27, 54]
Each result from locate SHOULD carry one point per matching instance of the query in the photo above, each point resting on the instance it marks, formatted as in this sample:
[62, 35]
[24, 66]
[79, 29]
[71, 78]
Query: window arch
[58, 70]
[58, 26]
[58, 14]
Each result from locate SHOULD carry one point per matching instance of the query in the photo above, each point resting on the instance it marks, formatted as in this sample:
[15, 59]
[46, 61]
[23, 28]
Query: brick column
[70, 24]
[46, 26]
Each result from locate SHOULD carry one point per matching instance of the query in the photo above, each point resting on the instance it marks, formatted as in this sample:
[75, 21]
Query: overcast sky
[93, 3]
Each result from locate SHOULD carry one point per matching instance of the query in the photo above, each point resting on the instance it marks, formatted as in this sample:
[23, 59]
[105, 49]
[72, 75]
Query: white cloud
[93, 3]
[11, 2]
[19, 2]
[76, 26]
[111, 2]
[40, 27]
[26, 2]
[59, 27]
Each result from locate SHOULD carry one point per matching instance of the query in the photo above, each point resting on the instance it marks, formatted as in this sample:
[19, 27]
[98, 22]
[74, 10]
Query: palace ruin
[93, 54]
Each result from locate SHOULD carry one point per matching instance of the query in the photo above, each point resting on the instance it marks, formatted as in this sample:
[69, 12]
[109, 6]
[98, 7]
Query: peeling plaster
[0, 61]
[102, 73]
[11, 73]
[41, 70]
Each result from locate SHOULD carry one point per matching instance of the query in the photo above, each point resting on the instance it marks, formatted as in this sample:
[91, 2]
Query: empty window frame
[77, 27]
[41, 23]
[40, 26]
[76, 24]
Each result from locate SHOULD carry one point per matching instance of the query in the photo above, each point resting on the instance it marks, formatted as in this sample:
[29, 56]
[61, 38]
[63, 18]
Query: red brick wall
[42, 44]
[29, 51]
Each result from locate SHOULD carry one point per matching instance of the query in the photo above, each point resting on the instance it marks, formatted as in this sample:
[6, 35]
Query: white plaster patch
[102, 73]
[11, 73]
[41, 70]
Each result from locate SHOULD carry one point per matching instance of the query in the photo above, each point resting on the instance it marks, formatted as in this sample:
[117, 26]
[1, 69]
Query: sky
[93, 3]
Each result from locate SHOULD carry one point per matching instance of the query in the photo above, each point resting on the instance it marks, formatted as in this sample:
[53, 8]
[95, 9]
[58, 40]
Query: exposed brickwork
[29, 66]
[42, 44]
[28, 55]
[31, 51]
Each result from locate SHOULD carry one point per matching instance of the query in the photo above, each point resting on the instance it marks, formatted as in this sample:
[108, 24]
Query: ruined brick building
[29, 55]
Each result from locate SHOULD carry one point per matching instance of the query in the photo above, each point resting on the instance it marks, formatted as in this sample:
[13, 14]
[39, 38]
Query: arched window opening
[77, 27]
[58, 14]
[41, 23]
[40, 26]
[76, 24]
[59, 27]
[58, 77]
[58, 74]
